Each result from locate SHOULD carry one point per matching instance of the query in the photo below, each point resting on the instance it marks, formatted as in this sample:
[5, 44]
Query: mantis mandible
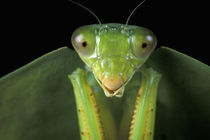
[113, 53]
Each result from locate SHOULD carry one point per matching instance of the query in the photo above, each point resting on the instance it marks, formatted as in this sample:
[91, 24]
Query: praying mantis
[114, 96]
[113, 54]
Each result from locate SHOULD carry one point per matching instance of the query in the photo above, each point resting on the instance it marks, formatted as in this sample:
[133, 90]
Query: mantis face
[113, 52]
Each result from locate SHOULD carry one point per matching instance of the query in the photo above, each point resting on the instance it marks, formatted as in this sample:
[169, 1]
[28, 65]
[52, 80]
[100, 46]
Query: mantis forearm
[143, 119]
[94, 124]
[89, 120]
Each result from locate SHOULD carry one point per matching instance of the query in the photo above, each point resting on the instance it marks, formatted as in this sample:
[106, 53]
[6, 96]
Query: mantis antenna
[134, 11]
[87, 10]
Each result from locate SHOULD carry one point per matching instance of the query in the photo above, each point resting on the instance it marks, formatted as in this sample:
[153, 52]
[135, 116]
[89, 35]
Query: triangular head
[113, 52]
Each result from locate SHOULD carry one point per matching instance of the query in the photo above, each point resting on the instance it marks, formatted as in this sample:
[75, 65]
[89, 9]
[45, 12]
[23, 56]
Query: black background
[32, 28]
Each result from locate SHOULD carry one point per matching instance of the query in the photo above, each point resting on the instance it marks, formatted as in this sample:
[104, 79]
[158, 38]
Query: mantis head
[113, 52]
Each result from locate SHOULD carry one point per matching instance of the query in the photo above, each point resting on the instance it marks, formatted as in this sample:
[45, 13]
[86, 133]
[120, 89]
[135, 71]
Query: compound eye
[144, 45]
[83, 42]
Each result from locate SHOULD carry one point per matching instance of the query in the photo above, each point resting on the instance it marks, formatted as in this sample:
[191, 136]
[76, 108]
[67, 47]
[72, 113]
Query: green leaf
[183, 98]
[37, 100]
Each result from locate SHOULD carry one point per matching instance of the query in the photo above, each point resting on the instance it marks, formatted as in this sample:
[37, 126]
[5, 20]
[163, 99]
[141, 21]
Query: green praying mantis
[39, 102]
[113, 53]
